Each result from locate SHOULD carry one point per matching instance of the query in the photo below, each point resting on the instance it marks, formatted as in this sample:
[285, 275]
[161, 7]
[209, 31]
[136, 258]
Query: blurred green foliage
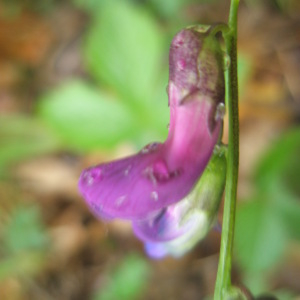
[24, 243]
[166, 9]
[127, 281]
[124, 52]
[85, 117]
[271, 218]
[11, 8]
[22, 137]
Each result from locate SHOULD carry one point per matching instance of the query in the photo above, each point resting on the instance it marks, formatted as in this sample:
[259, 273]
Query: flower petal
[159, 175]
[140, 186]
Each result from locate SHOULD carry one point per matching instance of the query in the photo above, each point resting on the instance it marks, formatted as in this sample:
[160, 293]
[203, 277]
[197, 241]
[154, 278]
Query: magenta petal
[161, 174]
[141, 186]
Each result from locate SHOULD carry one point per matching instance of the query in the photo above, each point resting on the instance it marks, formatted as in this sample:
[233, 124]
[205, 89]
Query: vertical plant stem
[223, 283]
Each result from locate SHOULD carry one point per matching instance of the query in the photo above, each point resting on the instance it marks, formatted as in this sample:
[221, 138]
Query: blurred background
[84, 81]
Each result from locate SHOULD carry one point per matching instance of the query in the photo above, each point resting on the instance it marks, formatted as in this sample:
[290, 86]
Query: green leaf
[127, 281]
[89, 5]
[288, 206]
[281, 162]
[24, 232]
[123, 49]
[24, 243]
[278, 177]
[285, 294]
[256, 282]
[85, 118]
[169, 8]
[260, 235]
[265, 224]
[291, 216]
[22, 137]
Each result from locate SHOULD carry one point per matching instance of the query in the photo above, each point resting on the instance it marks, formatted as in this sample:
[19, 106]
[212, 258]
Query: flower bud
[196, 63]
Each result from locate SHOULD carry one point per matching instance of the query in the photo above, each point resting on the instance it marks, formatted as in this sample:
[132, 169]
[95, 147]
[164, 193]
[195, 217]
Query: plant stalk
[223, 283]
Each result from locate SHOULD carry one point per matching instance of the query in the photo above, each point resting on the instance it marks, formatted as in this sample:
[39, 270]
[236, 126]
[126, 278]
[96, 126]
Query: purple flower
[147, 187]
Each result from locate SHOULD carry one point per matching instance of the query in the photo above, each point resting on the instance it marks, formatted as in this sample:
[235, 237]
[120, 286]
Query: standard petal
[160, 174]
[140, 186]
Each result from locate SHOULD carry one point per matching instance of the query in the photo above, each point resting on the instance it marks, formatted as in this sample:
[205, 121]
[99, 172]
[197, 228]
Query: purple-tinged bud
[196, 61]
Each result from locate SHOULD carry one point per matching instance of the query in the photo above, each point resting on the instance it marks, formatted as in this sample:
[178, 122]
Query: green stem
[223, 283]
